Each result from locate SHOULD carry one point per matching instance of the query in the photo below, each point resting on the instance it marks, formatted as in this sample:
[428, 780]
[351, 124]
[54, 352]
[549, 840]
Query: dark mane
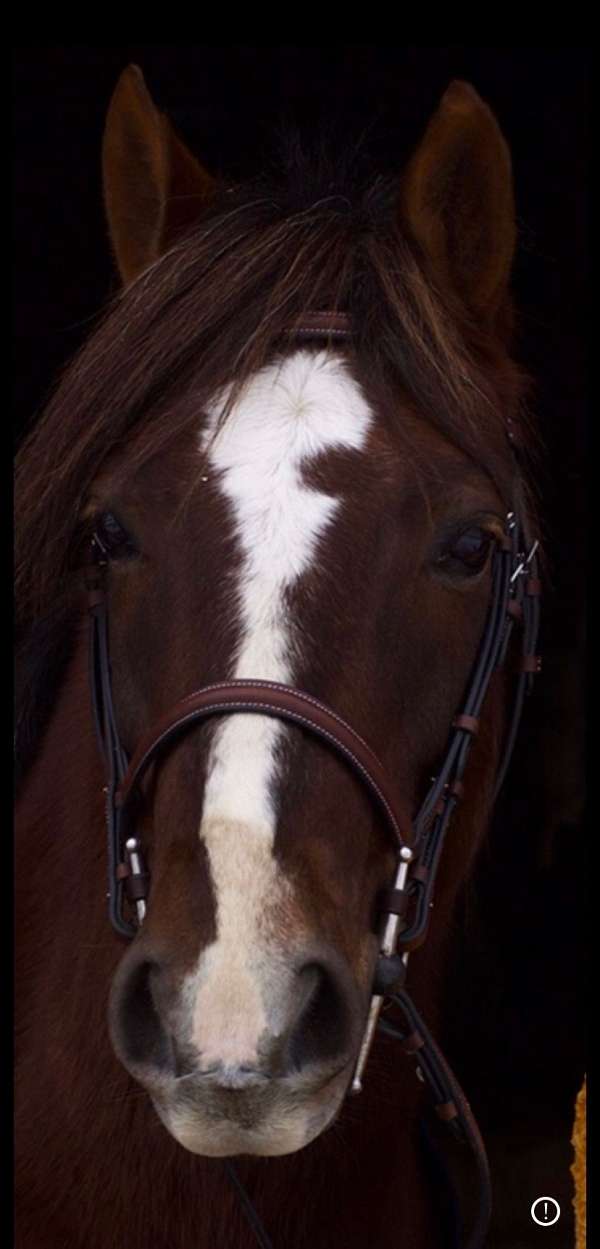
[214, 308]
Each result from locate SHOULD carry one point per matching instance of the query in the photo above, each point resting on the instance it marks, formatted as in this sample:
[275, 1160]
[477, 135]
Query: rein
[405, 907]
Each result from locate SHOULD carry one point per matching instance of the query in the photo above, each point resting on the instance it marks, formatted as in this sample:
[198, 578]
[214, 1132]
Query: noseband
[406, 905]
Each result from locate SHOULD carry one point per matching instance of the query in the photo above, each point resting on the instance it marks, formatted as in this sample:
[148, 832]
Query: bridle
[406, 905]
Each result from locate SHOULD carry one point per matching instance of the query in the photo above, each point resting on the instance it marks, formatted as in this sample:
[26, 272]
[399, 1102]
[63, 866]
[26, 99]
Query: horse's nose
[309, 1024]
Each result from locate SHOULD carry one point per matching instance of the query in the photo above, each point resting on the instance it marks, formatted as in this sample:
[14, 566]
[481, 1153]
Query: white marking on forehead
[289, 412]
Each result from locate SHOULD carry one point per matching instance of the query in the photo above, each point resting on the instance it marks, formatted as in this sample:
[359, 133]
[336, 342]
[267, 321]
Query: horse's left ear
[153, 187]
[457, 198]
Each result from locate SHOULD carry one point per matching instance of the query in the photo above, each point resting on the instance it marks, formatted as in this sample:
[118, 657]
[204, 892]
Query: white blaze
[289, 413]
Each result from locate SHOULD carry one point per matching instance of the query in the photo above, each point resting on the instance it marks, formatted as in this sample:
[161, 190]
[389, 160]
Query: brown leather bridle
[406, 905]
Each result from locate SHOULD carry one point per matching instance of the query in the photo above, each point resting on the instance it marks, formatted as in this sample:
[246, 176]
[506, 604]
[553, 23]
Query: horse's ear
[458, 200]
[153, 187]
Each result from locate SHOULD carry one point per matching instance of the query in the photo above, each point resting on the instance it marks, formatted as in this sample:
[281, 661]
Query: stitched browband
[323, 325]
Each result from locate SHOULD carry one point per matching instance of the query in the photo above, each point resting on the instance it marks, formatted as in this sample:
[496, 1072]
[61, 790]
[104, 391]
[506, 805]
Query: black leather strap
[449, 1101]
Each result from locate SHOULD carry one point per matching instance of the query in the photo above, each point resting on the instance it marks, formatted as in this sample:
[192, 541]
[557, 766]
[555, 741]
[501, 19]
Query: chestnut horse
[314, 512]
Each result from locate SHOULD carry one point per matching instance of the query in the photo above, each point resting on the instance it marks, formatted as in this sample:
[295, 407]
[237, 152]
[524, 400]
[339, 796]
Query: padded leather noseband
[269, 698]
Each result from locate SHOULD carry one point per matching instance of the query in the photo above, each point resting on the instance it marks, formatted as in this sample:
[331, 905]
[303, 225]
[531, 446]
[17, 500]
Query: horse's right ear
[153, 187]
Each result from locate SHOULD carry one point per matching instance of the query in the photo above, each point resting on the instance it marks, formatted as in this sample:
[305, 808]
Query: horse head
[288, 445]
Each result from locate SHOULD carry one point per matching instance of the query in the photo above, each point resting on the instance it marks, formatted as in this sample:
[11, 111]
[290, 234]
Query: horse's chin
[282, 1130]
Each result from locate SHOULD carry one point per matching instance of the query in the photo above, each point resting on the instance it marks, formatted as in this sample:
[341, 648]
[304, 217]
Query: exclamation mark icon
[545, 1211]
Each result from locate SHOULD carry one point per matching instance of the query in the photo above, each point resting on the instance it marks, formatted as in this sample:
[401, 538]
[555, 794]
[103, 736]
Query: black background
[523, 1057]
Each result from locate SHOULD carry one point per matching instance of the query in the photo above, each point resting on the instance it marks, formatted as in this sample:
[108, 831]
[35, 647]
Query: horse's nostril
[322, 1030]
[137, 1030]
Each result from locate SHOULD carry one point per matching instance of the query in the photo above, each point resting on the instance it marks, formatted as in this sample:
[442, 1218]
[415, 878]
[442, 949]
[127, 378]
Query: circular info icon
[545, 1211]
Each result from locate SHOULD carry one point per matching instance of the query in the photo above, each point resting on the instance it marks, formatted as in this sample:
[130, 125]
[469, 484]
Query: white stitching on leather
[211, 707]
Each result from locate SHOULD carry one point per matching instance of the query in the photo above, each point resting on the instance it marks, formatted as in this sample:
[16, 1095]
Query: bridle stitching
[268, 707]
[308, 698]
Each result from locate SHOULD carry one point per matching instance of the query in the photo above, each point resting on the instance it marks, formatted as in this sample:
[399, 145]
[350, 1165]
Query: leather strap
[323, 325]
[272, 699]
[450, 1103]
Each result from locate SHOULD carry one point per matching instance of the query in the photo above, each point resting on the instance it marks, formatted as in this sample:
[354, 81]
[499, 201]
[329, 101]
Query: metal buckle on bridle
[524, 567]
[390, 969]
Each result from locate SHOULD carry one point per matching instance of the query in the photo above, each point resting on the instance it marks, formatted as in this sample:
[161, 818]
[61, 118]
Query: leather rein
[405, 907]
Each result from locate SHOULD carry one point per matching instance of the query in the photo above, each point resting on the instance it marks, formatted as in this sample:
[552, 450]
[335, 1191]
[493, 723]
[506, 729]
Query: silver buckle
[523, 567]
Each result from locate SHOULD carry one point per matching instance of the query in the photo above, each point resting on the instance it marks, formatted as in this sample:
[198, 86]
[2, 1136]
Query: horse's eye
[467, 552]
[112, 538]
